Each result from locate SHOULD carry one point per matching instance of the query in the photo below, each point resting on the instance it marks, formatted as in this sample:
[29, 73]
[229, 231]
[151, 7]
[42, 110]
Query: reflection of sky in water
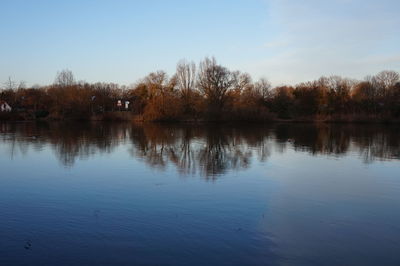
[289, 203]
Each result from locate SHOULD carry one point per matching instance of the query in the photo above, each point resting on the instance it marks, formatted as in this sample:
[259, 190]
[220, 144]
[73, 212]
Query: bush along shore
[206, 92]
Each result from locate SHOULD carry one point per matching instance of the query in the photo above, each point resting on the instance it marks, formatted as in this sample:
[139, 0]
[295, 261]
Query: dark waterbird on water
[28, 244]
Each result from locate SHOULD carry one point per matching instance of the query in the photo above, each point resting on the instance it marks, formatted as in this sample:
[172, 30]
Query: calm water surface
[123, 194]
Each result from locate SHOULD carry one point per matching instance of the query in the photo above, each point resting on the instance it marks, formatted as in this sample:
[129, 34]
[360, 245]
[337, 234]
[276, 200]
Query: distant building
[4, 107]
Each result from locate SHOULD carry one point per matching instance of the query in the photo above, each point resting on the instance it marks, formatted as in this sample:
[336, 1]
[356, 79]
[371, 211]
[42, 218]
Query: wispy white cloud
[313, 38]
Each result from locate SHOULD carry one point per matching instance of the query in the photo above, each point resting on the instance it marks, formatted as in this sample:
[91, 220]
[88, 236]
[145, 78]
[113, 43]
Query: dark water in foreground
[118, 194]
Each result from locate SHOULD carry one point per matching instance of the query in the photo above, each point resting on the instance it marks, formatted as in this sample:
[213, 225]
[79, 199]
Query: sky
[121, 41]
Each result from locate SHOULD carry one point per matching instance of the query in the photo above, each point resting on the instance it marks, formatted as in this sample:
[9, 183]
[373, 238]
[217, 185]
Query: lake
[152, 194]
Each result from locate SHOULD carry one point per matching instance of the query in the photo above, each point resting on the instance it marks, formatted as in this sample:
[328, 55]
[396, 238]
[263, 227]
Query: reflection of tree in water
[214, 150]
[220, 153]
[374, 143]
[316, 139]
[209, 150]
[229, 148]
[69, 140]
[84, 140]
[371, 142]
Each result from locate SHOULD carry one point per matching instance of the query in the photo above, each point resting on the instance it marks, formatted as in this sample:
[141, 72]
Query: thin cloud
[320, 38]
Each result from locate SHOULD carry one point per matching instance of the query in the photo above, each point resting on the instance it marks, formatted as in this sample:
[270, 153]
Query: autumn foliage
[211, 91]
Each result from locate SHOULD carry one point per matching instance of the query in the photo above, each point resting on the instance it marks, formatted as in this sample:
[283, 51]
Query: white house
[4, 107]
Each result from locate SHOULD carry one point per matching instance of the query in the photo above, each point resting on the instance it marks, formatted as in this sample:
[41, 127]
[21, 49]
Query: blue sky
[122, 41]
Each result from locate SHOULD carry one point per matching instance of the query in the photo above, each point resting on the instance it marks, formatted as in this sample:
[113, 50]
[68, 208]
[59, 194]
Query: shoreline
[126, 117]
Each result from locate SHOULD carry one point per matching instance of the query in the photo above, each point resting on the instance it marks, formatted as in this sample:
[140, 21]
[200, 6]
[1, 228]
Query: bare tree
[263, 87]
[214, 81]
[22, 85]
[185, 77]
[243, 81]
[64, 78]
[384, 81]
[156, 82]
[10, 84]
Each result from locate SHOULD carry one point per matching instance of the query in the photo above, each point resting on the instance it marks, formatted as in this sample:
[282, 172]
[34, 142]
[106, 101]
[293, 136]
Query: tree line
[209, 91]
